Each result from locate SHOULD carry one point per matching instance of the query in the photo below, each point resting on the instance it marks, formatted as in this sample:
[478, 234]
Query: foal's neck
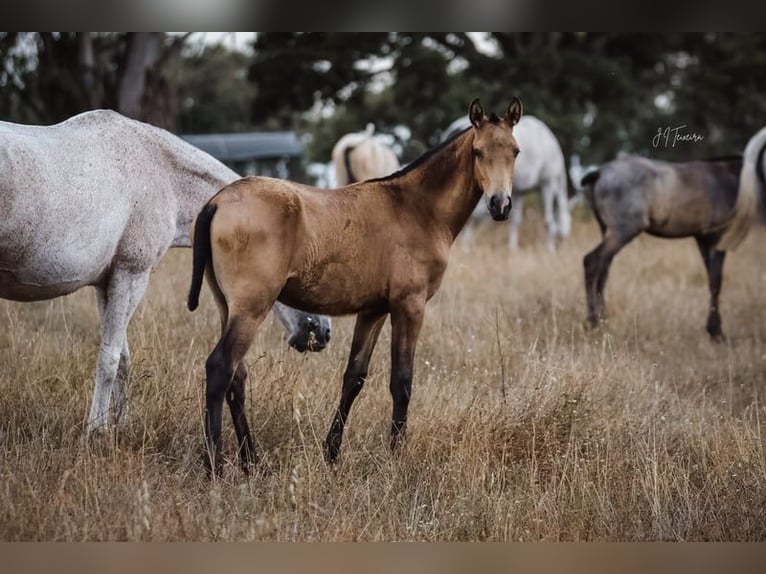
[444, 187]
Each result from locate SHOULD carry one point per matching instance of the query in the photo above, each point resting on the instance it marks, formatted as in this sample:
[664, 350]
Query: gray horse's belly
[25, 289]
[685, 221]
[40, 272]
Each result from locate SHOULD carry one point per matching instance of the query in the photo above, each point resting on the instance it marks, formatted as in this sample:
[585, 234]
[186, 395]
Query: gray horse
[700, 199]
[97, 200]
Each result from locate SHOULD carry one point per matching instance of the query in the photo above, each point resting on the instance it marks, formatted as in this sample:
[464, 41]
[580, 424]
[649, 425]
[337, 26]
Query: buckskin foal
[374, 248]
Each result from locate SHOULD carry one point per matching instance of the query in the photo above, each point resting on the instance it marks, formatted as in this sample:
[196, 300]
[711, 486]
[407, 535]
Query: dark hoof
[248, 465]
[398, 435]
[331, 450]
[248, 457]
[592, 323]
[717, 338]
[212, 469]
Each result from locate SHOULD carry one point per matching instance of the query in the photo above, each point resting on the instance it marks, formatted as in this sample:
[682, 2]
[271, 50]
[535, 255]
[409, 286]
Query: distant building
[275, 154]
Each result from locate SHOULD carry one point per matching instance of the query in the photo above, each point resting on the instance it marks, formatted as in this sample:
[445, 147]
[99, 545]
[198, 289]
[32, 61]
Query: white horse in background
[539, 165]
[358, 157]
[97, 200]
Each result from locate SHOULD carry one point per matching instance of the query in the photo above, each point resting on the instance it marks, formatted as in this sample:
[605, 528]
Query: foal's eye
[516, 152]
[478, 154]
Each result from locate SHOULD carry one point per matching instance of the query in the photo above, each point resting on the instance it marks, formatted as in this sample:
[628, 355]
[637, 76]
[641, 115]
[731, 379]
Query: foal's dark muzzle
[313, 334]
[499, 206]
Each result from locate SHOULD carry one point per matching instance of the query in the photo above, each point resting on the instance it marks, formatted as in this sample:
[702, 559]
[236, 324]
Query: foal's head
[494, 155]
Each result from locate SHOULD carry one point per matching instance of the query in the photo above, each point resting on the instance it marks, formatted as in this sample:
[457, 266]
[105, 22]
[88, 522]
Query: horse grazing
[97, 200]
[358, 157]
[542, 167]
[703, 199]
[374, 248]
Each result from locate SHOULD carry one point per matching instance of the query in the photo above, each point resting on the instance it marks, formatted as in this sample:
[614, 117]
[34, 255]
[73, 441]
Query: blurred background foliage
[599, 92]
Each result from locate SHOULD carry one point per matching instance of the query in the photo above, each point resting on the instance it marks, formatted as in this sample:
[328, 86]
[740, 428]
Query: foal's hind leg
[236, 400]
[117, 302]
[366, 331]
[221, 366]
[596, 264]
[235, 397]
[714, 264]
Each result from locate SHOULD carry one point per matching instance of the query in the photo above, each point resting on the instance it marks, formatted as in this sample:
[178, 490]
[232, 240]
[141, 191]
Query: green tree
[214, 94]
[599, 92]
[47, 77]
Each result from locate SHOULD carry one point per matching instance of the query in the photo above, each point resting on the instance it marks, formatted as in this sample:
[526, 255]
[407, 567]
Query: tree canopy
[599, 92]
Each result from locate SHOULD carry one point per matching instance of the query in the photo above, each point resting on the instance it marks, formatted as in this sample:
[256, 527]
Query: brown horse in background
[375, 249]
[701, 199]
[359, 157]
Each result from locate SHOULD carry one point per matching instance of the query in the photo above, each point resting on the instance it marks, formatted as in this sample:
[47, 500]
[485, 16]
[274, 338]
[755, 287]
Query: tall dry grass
[523, 426]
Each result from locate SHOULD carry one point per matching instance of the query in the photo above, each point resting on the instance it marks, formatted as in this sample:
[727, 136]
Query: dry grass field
[523, 425]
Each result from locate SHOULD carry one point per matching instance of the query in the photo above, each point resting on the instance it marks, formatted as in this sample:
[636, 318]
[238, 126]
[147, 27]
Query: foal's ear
[513, 115]
[476, 113]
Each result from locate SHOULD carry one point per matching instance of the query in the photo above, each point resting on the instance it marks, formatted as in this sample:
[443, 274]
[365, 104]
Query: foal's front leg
[406, 320]
[366, 331]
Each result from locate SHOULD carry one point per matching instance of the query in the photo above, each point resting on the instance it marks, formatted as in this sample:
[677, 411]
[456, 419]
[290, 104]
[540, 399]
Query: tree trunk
[142, 52]
[87, 62]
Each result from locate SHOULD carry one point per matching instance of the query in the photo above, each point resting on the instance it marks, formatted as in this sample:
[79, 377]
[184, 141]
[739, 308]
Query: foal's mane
[414, 164]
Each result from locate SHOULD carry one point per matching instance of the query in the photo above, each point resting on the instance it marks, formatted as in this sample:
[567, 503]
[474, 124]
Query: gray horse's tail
[347, 164]
[202, 253]
[746, 210]
[589, 178]
[571, 189]
[588, 182]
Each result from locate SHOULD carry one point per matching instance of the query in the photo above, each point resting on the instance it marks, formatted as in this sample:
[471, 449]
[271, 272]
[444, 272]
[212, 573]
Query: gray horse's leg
[551, 226]
[120, 392]
[516, 214]
[117, 302]
[714, 264]
[563, 210]
[466, 236]
[596, 264]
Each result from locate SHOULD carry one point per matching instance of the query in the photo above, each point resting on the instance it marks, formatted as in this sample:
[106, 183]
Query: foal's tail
[746, 210]
[201, 253]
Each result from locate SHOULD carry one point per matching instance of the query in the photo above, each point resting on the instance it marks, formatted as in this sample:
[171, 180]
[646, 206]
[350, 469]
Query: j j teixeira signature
[668, 137]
